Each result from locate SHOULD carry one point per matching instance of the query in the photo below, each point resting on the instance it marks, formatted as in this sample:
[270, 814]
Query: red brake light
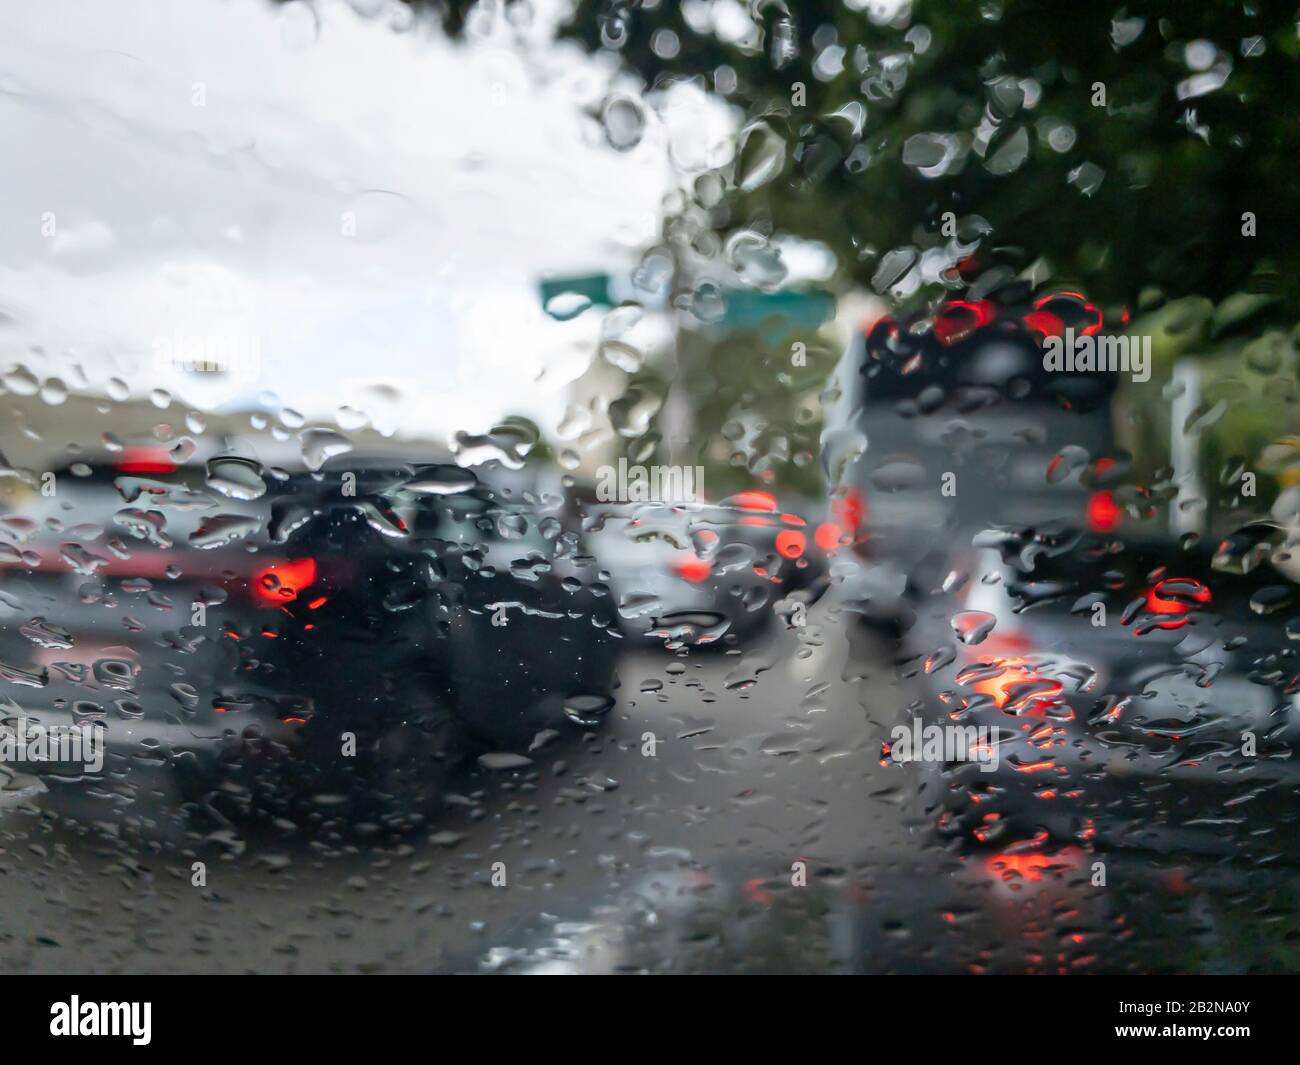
[1055, 302]
[790, 543]
[145, 460]
[1044, 323]
[829, 535]
[1172, 595]
[960, 318]
[692, 569]
[850, 509]
[280, 582]
[1104, 514]
[764, 501]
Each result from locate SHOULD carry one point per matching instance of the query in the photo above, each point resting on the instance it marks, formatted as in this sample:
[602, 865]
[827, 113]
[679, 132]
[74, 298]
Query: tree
[1138, 148]
[1144, 154]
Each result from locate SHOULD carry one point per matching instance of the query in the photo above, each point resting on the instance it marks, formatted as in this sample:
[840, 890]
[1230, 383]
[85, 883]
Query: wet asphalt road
[762, 834]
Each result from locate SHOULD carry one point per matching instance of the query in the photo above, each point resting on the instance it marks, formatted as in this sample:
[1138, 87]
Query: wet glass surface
[648, 487]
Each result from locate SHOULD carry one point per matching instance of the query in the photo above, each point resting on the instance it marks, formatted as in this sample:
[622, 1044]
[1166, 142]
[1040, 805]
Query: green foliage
[757, 392]
[1155, 221]
[1178, 175]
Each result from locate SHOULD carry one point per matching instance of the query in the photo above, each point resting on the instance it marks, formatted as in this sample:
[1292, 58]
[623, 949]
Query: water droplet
[503, 760]
[320, 445]
[441, 481]
[973, 626]
[220, 529]
[761, 157]
[236, 478]
[565, 306]
[624, 120]
[587, 710]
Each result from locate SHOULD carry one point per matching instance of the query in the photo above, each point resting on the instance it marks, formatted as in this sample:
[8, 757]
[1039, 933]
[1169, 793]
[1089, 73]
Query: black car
[416, 619]
[384, 625]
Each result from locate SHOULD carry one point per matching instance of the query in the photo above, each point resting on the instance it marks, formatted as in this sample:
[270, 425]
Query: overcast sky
[193, 167]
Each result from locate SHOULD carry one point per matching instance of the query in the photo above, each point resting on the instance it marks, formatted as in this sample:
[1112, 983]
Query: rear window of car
[976, 374]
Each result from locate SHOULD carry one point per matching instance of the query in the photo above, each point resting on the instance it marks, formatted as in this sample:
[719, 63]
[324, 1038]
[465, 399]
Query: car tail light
[850, 509]
[145, 460]
[958, 319]
[790, 543]
[831, 535]
[754, 500]
[1103, 513]
[848, 522]
[281, 582]
[1044, 324]
[1069, 308]
[1173, 597]
[692, 568]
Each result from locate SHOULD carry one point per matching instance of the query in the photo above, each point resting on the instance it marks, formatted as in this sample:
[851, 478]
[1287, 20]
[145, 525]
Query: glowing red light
[755, 501]
[828, 536]
[1044, 323]
[1032, 865]
[692, 569]
[960, 318]
[1171, 596]
[281, 582]
[850, 509]
[1095, 319]
[1018, 680]
[790, 543]
[141, 460]
[1104, 514]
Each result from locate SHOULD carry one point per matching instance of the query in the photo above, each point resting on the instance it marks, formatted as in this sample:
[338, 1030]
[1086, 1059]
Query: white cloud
[464, 172]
